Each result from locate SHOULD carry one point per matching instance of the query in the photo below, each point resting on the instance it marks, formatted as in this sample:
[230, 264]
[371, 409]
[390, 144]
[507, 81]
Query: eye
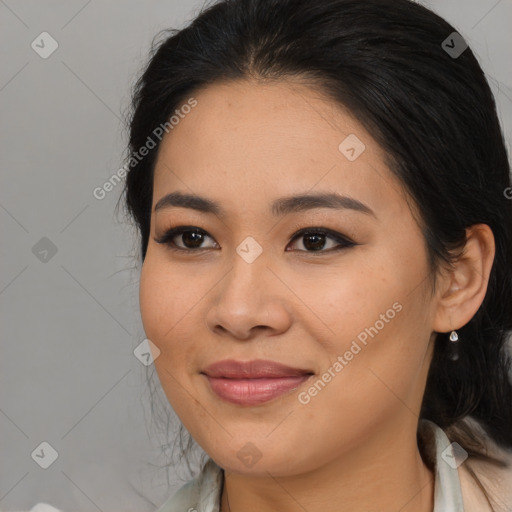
[313, 239]
[191, 236]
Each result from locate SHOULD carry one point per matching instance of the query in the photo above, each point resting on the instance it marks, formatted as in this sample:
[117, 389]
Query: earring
[454, 352]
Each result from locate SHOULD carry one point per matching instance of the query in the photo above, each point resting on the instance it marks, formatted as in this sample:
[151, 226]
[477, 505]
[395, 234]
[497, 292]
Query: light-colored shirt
[203, 493]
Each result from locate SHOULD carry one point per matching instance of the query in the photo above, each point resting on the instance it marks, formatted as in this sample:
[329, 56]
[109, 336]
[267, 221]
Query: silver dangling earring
[454, 338]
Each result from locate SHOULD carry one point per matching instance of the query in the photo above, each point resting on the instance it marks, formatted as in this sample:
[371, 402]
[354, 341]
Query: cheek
[374, 313]
[166, 301]
[153, 300]
[165, 306]
[383, 342]
[350, 300]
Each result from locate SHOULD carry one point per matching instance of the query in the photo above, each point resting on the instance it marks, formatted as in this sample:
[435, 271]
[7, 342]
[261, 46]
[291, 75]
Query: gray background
[70, 320]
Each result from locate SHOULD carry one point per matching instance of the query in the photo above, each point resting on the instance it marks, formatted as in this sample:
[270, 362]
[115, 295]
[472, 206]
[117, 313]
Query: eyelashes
[314, 237]
[317, 235]
[169, 235]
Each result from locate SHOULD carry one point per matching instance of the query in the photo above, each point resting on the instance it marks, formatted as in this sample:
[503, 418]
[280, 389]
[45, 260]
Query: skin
[353, 446]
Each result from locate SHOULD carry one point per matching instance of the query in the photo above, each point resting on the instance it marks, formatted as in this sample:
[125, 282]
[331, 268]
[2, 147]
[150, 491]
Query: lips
[256, 369]
[253, 382]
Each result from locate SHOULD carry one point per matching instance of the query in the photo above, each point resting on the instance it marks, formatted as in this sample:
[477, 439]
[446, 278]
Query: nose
[247, 300]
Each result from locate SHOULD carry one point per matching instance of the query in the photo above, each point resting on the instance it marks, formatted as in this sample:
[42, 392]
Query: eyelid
[178, 230]
[342, 241]
[299, 229]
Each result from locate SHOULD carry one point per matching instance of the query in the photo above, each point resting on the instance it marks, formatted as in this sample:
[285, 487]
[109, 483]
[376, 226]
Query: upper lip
[258, 368]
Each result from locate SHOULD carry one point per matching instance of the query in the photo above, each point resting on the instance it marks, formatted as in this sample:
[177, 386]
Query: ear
[462, 289]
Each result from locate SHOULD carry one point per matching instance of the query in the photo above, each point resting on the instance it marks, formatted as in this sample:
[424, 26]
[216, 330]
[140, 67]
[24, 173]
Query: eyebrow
[280, 207]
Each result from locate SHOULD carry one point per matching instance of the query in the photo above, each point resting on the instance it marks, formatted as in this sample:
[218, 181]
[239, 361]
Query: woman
[321, 190]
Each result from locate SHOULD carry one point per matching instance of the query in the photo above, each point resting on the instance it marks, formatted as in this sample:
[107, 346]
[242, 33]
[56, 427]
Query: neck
[385, 474]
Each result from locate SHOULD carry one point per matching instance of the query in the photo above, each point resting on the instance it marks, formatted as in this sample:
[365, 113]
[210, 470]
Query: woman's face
[353, 319]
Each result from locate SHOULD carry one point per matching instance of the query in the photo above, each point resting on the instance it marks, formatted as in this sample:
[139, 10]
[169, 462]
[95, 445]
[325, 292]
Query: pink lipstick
[253, 382]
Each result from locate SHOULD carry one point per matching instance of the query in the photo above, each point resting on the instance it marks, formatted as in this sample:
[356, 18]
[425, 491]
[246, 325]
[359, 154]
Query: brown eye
[191, 238]
[316, 239]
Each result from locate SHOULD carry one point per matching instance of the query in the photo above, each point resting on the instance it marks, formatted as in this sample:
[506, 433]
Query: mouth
[253, 382]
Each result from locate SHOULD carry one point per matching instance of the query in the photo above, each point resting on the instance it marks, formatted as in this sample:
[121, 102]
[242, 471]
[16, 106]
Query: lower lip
[254, 391]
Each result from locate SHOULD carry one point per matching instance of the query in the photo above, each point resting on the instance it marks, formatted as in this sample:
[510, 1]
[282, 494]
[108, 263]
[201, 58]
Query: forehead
[279, 138]
[271, 114]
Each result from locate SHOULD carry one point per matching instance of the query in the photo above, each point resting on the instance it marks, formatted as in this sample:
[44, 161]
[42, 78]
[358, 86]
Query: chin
[256, 460]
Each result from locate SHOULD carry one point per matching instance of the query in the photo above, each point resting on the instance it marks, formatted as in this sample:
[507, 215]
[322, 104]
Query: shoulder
[201, 494]
[459, 477]
[495, 479]
[497, 482]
